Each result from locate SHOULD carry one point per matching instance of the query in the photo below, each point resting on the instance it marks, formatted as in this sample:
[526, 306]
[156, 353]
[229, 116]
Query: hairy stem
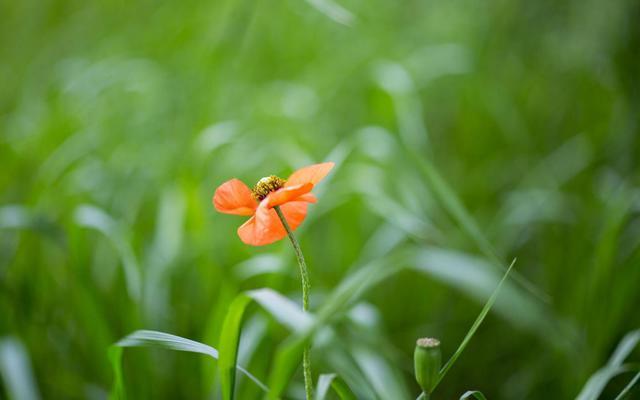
[306, 287]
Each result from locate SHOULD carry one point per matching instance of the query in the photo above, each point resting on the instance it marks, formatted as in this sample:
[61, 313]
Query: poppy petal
[309, 198]
[265, 227]
[286, 194]
[294, 212]
[234, 197]
[311, 174]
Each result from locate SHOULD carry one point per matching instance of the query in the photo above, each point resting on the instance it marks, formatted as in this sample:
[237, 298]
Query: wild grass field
[464, 134]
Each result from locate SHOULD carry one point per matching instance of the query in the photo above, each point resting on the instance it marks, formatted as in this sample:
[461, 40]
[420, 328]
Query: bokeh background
[465, 134]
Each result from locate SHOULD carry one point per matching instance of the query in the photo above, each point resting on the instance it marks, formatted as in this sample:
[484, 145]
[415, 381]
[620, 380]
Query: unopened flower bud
[427, 361]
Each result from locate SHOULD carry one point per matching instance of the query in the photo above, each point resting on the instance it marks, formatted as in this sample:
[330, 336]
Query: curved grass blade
[414, 137]
[16, 370]
[452, 203]
[473, 393]
[290, 351]
[19, 217]
[627, 389]
[333, 381]
[337, 356]
[476, 277]
[474, 327]
[146, 338]
[382, 377]
[89, 216]
[287, 358]
[282, 309]
[598, 381]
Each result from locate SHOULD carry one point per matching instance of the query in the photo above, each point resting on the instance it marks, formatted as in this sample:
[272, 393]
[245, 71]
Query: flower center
[267, 185]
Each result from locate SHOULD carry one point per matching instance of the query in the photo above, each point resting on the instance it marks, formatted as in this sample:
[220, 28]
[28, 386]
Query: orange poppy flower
[293, 196]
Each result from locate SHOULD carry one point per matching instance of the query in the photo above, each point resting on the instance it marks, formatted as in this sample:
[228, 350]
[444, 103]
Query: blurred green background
[465, 134]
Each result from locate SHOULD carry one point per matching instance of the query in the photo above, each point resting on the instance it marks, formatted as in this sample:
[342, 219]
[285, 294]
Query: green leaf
[336, 353]
[166, 247]
[381, 375]
[229, 340]
[282, 309]
[351, 288]
[474, 327]
[452, 203]
[89, 216]
[289, 353]
[476, 394]
[627, 389]
[598, 381]
[287, 359]
[146, 338]
[19, 217]
[16, 371]
[477, 278]
[115, 358]
[333, 381]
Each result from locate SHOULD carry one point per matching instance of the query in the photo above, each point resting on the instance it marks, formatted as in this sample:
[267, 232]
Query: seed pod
[427, 361]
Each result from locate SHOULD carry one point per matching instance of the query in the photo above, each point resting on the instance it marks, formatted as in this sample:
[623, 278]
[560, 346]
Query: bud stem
[306, 287]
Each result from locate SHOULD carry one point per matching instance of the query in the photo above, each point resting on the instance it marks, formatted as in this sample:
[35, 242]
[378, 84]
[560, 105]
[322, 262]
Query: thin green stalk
[424, 396]
[306, 287]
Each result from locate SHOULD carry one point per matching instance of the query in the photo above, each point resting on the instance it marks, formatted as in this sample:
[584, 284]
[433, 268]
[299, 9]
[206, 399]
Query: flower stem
[306, 287]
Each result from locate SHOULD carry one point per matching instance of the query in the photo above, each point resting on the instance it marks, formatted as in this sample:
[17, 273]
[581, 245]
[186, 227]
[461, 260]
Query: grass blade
[289, 353]
[413, 133]
[89, 216]
[476, 277]
[338, 357]
[476, 394]
[115, 358]
[288, 356]
[474, 327]
[285, 311]
[323, 386]
[333, 381]
[16, 371]
[598, 381]
[146, 338]
[349, 289]
[627, 389]
[380, 375]
[229, 340]
[452, 203]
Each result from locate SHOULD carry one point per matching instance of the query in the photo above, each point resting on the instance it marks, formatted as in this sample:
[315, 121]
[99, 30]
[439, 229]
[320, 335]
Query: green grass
[464, 134]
